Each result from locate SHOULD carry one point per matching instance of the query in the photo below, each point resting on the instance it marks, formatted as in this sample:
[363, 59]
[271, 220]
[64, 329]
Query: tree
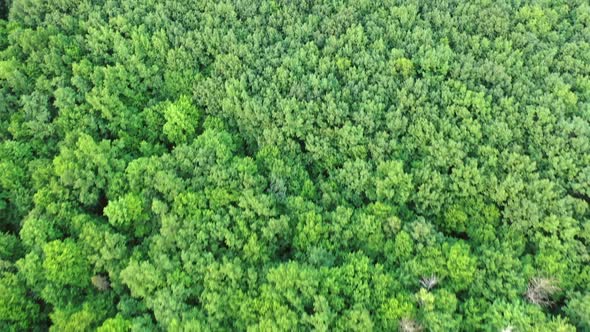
[182, 121]
[17, 309]
[294, 165]
[65, 263]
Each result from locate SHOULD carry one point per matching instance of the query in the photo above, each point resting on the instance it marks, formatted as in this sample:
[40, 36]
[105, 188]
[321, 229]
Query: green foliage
[10, 248]
[17, 309]
[128, 213]
[141, 278]
[392, 184]
[65, 263]
[115, 324]
[579, 310]
[461, 266]
[294, 165]
[86, 169]
[182, 120]
[71, 321]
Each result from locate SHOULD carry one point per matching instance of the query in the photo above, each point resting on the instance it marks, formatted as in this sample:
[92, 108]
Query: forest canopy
[284, 165]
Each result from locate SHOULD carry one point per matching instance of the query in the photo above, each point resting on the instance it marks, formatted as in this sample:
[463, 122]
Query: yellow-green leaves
[392, 184]
[461, 266]
[65, 264]
[142, 278]
[404, 66]
[182, 121]
[128, 212]
[15, 307]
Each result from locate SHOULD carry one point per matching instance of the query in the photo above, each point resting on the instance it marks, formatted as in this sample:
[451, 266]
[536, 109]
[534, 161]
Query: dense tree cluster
[295, 165]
